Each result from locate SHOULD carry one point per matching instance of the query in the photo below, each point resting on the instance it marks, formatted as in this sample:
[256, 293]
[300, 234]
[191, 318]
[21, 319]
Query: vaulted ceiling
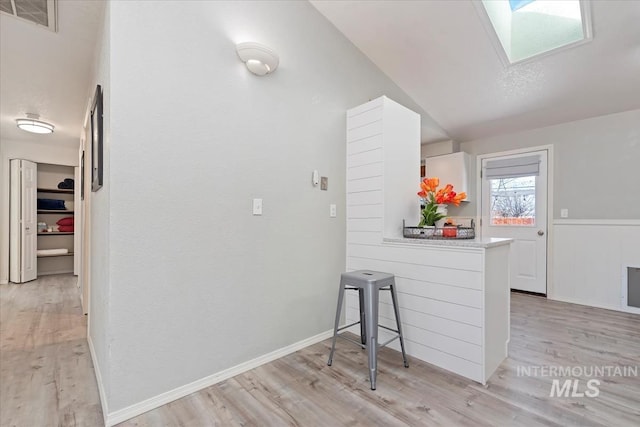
[437, 51]
[441, 55]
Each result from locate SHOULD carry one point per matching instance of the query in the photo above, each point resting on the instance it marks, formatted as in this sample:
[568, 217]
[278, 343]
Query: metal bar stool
[368, 284]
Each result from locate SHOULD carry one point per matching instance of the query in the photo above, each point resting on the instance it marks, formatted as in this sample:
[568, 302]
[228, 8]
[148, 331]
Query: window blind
[513, 168]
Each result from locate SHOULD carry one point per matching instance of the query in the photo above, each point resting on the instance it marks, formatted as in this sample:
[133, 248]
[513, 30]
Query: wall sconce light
[259, 59]
[33, 125]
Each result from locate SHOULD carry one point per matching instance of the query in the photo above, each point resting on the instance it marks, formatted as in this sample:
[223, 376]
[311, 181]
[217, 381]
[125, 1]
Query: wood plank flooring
[46, 374]
[47, 379]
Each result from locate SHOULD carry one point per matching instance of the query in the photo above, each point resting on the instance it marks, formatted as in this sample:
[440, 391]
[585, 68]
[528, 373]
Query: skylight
[528, 28]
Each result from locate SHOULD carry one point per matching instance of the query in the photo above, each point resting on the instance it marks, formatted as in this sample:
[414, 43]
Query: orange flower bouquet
[433, 198]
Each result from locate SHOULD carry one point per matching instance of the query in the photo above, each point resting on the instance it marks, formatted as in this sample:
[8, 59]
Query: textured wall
[595, 164]
[197, 283]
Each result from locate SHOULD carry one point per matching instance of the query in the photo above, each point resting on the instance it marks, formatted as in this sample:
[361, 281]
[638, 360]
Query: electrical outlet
[333, 211]
[324, 183]
[564, 213]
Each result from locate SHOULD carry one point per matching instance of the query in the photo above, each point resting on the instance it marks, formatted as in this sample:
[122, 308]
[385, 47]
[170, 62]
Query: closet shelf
[55, 255]
[55, 190]
[60, 211]
[55, 233]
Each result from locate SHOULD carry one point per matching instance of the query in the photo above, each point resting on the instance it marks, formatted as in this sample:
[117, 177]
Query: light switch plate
[564, 213]
[257, 206]
[333, 211]
[324, 183]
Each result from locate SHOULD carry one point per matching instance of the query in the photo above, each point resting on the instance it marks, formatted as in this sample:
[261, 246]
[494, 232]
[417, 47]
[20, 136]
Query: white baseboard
[129, 412]
[96, 369]
[4, 282]
[586, 304]
[51, 273]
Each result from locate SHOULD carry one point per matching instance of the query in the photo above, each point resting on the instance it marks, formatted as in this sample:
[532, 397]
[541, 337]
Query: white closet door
[24, 218]
[29, 221]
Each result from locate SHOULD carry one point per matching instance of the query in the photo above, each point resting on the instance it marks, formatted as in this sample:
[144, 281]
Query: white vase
[442, 209]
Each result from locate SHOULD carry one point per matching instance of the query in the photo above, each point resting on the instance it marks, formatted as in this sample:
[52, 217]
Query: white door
[514, 204]
[23, 200]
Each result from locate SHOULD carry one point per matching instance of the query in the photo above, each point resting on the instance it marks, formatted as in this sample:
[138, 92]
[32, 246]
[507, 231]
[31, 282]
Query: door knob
[540, 233]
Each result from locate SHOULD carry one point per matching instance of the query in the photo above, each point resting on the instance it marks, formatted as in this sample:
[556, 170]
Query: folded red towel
[65, 228]
[66, 221]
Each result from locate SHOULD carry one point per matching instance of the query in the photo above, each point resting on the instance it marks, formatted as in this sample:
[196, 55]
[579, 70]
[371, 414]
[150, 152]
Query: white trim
[4, 282]
[96, 369]
[129, 412]
[582, 303]
[550, 220]
[599, 222]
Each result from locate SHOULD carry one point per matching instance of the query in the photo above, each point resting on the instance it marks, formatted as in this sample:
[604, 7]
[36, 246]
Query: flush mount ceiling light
[33, 125]
[260, 60]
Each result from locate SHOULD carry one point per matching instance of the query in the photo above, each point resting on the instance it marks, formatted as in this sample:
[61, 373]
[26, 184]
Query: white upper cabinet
[452, 169]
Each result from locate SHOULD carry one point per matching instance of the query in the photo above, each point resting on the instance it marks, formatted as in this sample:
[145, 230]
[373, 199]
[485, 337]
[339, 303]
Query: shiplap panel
[365, 131]
[364, 118]
[449, 328]
[364, 108]
[364, 171]
[456, 347]
[365, 211]
[364, 237]
[424, 351]
[363, 145]
[364, 224]
[448, 293]
[445, 276]
[460, 260]
[365, 157]
[446, 310]
[372, 197]
[366, 184]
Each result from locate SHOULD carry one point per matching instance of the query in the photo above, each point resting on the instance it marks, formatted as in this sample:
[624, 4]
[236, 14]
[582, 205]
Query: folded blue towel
[67, 184]
[51, 204]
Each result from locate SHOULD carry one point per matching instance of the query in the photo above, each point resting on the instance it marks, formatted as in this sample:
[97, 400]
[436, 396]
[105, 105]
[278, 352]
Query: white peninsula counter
[453, 294]
[453, 297]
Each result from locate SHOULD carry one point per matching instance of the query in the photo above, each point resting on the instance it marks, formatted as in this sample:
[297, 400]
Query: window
[513, 201]
[528, 28]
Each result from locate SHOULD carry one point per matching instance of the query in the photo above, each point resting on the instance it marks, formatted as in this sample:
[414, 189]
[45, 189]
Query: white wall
[39, 152]
[595, 175]
[97, 208]
[196, 283]
[595, 164]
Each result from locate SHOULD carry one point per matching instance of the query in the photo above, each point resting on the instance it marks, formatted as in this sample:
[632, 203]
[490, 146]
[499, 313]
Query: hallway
[46, 374]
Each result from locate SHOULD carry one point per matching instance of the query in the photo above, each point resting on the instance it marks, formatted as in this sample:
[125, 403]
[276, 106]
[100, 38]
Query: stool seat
[368, 283]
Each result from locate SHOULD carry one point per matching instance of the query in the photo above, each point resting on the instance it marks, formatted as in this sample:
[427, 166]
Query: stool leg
[371, 317]
[394, 298]
[363, 320]
[335, 326]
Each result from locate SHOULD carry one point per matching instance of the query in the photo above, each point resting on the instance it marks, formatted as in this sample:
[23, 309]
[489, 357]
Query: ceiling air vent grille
[41, 12]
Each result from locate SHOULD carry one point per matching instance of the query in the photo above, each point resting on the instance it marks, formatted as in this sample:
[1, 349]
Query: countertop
[488, 242]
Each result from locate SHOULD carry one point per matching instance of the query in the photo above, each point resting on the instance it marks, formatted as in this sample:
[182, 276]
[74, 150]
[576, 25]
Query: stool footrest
[394, 338]
[348, 326]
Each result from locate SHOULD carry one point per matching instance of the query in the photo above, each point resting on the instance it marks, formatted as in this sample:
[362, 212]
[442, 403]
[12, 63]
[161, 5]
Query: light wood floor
[300, 390]
[46, 374]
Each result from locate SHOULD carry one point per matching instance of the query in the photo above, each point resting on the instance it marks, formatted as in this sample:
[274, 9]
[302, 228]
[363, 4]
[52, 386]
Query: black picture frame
[82, 176]
[96, 141]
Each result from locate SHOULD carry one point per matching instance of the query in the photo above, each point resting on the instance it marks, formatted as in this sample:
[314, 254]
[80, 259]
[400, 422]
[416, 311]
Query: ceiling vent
[41, 12]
